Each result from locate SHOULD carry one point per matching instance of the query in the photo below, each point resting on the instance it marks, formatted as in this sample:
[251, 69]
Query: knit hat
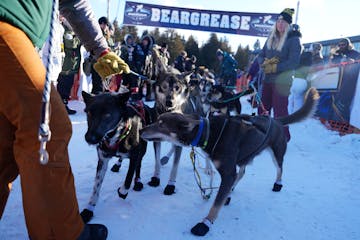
[287, 14]
[103, 20]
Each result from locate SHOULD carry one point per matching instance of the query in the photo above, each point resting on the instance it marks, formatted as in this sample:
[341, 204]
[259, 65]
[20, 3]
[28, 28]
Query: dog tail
[307, 110]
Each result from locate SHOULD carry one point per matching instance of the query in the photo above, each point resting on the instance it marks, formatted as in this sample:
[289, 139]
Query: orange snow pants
[48, 191]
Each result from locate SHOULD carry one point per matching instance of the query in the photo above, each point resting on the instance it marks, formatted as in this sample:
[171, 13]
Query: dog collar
[196, 140]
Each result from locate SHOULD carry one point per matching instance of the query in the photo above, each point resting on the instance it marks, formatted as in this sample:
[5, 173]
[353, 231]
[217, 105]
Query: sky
[318, 19]
[320, 198]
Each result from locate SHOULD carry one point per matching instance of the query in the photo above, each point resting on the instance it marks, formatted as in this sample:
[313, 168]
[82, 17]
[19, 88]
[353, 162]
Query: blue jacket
[289, 58]
[228, 67]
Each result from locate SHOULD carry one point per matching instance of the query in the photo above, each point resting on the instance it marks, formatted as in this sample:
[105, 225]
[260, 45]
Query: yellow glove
[109, 64]
[269, 68]
[273, 60]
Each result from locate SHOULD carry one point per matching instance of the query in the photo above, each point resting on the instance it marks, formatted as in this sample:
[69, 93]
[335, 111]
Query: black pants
[64, 85]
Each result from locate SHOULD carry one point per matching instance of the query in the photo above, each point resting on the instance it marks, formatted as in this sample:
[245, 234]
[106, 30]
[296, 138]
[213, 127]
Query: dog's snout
[141, 131]
[91, 139]
[168, 101]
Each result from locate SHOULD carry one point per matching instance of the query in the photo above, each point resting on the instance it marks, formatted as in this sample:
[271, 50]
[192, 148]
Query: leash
[194, 143]
[237, 96]
[203, 190]
[257, 98]
[44, 129]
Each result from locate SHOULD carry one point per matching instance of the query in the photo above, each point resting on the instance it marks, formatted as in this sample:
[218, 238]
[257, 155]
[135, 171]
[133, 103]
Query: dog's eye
[177, 88]
[164, 86]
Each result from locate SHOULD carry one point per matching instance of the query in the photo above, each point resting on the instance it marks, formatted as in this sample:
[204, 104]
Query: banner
[251, 24]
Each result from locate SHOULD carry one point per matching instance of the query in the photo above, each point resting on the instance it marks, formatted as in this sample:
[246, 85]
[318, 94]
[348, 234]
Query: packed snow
[320, 198]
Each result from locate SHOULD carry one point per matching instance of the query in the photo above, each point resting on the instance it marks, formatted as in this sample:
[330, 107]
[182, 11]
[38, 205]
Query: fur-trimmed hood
[150, 39]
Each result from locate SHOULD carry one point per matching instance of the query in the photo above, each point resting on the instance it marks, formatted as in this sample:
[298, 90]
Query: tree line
[205, 54]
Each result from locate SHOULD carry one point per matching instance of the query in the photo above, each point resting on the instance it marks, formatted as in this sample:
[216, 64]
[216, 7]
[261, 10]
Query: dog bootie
[138, 185]
[122, 193]
[86, 215]
[277, 187]
[155, 182]
[115, 168]
[169, 189]
[202, 228]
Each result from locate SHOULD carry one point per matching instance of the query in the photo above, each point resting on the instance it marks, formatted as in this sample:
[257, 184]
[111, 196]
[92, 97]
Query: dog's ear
[189, 121]
[88, 98]
[186, 76]
[123, 98]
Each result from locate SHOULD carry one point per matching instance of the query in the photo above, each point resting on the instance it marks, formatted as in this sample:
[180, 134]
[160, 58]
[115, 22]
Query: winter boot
[94, 232]
[69, 111]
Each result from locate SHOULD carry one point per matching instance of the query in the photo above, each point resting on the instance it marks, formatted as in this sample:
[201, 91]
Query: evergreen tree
[224, 45]
[242, 57]
[156, 35]
[117, 32]
[192, 47]
[175, 43]
[208, 53]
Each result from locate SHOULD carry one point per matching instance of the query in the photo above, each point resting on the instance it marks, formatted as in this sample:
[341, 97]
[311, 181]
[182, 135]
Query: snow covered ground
[320, 198]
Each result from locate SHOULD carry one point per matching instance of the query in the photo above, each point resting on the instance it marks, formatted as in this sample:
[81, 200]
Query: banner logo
[137, 12]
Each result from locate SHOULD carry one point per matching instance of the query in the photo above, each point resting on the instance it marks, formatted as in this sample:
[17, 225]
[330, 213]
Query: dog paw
[169, 190]
[164, 160]
[155, 182]
[138, 186]
[115, 168]
[277, 187]
[227, 202]
[200, 229]
[121, 195]
[86, 215]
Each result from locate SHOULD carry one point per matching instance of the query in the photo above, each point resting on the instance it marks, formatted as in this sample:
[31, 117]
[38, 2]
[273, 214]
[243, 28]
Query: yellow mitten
[109, 64]
[269, 68]
[273, 60]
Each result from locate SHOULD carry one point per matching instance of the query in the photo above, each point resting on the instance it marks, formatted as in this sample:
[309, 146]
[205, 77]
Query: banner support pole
[297, 12]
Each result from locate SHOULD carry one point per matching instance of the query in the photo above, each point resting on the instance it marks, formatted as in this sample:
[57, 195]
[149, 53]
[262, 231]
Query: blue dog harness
[196, 140]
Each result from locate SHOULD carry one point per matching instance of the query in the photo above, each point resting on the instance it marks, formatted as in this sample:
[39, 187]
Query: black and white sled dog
[224, 101]
[231, 142]
[113, 126]
[174, 93]
[205, 86]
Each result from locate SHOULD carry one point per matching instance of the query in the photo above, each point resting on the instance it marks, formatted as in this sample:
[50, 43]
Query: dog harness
[196, 140]
[204, 123]
[112, 139]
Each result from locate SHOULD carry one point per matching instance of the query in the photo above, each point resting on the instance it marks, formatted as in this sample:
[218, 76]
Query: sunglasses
[342, 44]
